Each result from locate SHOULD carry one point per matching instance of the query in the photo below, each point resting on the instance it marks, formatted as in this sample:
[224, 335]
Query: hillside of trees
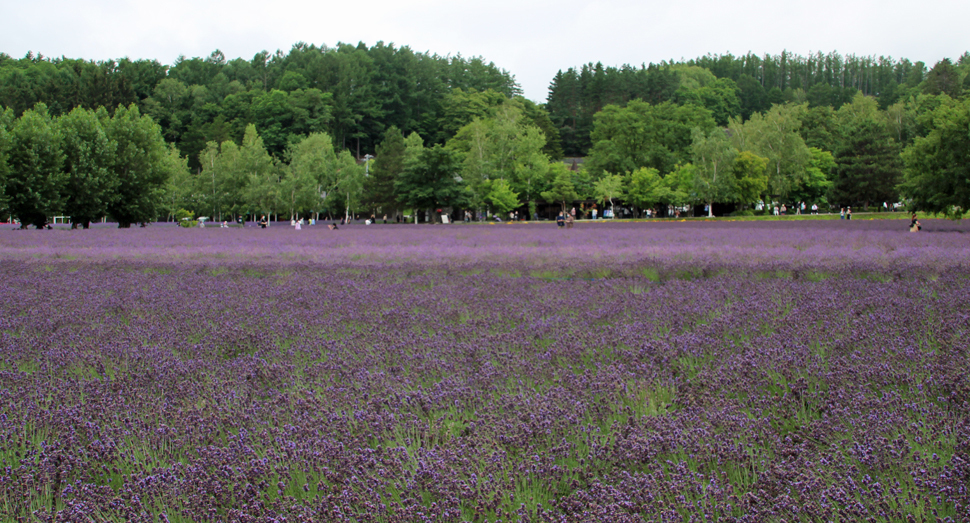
[285, 134]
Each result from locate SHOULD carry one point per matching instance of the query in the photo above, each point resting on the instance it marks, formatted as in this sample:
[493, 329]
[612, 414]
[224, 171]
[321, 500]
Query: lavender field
[661, 371]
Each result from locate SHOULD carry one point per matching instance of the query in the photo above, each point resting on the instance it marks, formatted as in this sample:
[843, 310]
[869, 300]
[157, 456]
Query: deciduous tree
[88, 153]
[35, 186]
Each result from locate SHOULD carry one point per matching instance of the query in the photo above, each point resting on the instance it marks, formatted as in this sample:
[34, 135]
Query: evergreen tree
[386, 167]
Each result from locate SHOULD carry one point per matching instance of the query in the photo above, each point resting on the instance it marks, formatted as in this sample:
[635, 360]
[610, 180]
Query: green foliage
[562, 190]
[184, 218]
[258, 175]
[644, 135]
[750, 178]
[501, 197]
[714, 179]
[429, 181]
[609, 187]
[384, 169]
[719, 96]
[774, 136]
[503, 146]
[937, 175]
[645, 188]
[6, 124]
[88, 154]
[34, 185]
[818, 178]
[139, 164]
[679, 185]
[944, 78]
[868, 164]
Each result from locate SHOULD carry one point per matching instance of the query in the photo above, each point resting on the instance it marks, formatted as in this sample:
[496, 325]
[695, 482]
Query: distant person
[784, 209]
[842, 213]
[570, 221]
[385, 219]
[333, 226]
[914, 225]
[593, 212]
[814, 208]
[848, 213]
[262, 222]
[560, 220]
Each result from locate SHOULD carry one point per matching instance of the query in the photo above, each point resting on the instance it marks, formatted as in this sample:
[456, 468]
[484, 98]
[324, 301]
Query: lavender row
[576, 385]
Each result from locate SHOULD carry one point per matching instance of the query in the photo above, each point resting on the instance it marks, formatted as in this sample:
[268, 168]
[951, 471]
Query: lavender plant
[612, 372]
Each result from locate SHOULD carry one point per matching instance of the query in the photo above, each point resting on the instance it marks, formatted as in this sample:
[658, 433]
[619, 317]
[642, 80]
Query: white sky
[531, 38]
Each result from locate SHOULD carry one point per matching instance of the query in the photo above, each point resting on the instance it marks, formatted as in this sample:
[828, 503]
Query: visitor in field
[569, 221]
[814, 208]
[915, 225]
[262, 222]
[332, 226]
[842, 213]
[784, 209]
[848, 213]
[560, 220]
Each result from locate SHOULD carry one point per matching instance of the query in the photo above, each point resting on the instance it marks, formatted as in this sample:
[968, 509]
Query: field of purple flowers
[668, 371]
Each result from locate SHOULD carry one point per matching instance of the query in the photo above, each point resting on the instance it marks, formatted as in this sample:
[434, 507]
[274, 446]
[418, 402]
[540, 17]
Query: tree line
[450, 133]
[86, 164]
[353, 93]
[740, 86]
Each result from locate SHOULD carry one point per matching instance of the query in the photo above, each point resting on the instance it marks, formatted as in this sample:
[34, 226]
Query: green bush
[185, 218]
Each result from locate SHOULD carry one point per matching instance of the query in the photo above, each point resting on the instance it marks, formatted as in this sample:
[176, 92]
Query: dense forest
[286, 133]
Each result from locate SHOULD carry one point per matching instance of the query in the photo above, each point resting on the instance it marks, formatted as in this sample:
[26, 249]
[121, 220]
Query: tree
[501, 197]
[36, 180]
[818, 177]
[714, 179]
[562, 189]
[504, 146]
[774, 135]
[868, 165]
[140, 164]
[608, 188]
[749, 177]
[260, 189]
[88, 154]
[311, 173]
[645, 187]
[644, 135]
[388, 164]
[429, 181]
[680, 186]
[937, 174]
[6, 123]
[348, 181]
[943, 78]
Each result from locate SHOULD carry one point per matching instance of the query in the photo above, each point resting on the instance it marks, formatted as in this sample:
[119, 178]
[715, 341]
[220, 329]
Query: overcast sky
[531, 38]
